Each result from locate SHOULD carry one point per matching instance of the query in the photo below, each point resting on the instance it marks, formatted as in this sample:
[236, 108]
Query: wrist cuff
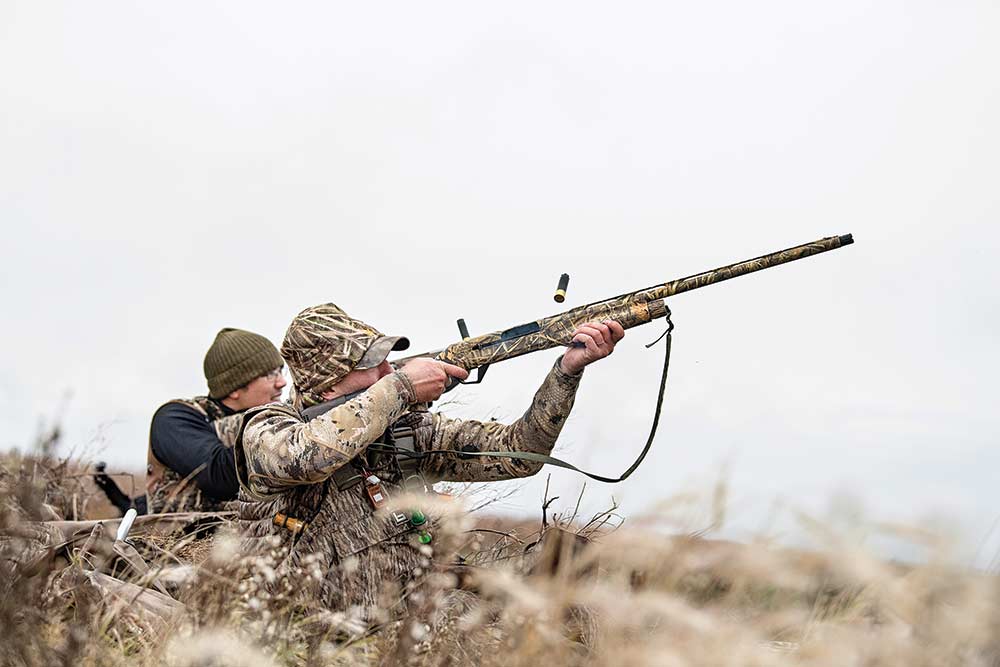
[405, 386]
[564, 374]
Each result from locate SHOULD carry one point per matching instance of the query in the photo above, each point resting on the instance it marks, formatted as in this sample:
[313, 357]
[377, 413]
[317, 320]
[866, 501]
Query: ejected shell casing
[560, 294]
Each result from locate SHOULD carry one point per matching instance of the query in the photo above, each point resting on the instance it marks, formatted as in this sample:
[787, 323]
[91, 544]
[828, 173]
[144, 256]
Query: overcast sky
[167, 170]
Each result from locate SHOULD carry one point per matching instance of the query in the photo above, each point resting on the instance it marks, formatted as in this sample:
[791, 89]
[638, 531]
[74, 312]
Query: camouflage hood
[323, 344]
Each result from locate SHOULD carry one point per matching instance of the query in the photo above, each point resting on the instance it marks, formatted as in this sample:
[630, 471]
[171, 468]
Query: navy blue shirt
[185, 441]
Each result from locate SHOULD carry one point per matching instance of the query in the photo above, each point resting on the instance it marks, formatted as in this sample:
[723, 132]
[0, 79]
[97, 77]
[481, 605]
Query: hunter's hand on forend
[429, 377]
[592, 341]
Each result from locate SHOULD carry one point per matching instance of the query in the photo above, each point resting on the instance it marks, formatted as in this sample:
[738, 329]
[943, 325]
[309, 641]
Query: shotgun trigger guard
[480, 374]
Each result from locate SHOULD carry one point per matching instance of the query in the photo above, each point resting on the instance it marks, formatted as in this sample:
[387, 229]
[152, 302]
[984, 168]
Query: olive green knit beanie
[236, 358]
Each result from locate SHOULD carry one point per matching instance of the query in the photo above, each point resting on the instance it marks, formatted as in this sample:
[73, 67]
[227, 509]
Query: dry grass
[577, 592]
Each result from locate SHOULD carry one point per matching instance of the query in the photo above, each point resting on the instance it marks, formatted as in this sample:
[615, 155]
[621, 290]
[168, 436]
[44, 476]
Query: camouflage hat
[323, 344]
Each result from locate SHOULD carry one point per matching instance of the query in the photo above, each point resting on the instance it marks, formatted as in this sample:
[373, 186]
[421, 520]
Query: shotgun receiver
[629, 310]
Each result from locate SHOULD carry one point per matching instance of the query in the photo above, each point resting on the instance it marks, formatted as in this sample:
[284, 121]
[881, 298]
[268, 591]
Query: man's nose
[280, 382]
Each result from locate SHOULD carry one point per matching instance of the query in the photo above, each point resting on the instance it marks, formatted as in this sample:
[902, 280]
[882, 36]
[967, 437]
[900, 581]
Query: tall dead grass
[576, 590]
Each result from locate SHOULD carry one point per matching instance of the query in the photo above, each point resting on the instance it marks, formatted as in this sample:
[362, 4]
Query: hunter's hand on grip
[430, 377]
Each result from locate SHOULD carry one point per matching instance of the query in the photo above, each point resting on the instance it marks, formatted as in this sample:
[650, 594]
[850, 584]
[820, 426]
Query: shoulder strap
[154, 467]
[239, 455]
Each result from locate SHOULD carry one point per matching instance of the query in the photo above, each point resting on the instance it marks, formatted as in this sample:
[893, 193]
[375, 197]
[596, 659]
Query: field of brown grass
[574, 591]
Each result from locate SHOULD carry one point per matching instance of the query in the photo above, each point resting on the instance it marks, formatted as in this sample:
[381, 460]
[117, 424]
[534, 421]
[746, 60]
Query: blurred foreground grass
[573, 591]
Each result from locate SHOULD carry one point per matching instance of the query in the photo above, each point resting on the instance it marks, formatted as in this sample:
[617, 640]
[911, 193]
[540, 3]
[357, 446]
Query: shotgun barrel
[630, 309]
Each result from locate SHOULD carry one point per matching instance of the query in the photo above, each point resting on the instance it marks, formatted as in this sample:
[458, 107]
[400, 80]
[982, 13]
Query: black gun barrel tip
[847, 239]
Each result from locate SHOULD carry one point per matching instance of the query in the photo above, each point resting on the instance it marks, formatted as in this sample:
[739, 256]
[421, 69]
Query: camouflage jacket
[166, 489]
[291, 467]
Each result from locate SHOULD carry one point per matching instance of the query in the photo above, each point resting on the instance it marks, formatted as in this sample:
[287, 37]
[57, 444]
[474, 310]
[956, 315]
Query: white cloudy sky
[169, 170]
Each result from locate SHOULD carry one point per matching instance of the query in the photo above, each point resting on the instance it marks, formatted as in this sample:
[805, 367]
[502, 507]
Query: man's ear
[235, 394]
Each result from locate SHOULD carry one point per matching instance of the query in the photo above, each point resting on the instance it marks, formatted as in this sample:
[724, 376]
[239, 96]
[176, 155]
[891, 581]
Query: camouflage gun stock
[630, 310]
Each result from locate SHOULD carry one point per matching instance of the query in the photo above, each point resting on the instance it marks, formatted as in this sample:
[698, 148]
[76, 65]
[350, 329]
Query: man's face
[260, 391]
[357, 380]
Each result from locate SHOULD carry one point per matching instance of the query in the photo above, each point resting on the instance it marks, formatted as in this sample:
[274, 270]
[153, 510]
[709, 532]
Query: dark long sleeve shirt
[185, 441]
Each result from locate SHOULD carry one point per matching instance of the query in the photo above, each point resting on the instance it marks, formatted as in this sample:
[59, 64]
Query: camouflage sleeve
[282, 450]
[536, 431]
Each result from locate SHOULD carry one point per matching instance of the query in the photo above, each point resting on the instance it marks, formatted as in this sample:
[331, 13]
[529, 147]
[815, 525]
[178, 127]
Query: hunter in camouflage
[190, 464]
[310, 484]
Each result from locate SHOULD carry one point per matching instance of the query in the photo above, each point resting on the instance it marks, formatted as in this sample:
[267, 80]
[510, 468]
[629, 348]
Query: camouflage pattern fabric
[323, 344]
[167, 490]
[285, 466]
